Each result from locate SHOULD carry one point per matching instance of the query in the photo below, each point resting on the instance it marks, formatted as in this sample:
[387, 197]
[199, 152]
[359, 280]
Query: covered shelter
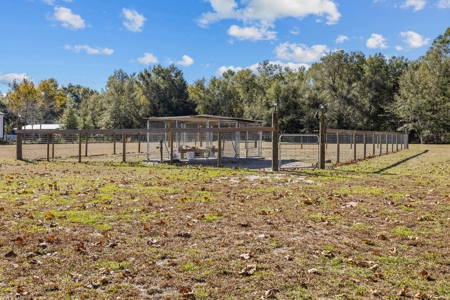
[237, 143]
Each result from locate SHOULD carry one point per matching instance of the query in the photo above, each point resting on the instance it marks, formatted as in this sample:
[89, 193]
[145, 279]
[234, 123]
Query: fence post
[338, 144]
[86, 146]
[323, 134]
[354, 146]
[114, 142]
[387, 144]
[48, 147]
[124, 145]
[396, 141]
[381, 144]
[79, 147]
[19, 142]
[275, 165]
[373, 144]
[365, 145]
[171, 147]
[402, 138]
[53, 146]
[219, 154]
[139, 143]
[161, 150]
[392, 144]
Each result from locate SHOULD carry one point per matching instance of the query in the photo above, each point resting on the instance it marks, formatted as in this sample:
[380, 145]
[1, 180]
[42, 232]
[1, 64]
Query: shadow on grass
[400, 162]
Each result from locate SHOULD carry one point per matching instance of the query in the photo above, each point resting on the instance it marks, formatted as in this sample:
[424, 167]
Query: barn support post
[124, 146]
[275, 142]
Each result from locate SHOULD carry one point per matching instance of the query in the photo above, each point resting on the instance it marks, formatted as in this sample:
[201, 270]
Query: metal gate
[298, 150]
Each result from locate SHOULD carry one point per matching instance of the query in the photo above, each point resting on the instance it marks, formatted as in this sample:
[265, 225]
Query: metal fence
[294, 151]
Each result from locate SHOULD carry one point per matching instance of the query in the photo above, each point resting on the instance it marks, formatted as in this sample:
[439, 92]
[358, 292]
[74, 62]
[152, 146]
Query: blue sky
[83, 42]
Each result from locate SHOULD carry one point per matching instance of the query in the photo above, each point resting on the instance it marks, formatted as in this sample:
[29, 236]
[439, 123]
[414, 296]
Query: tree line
[358, 92]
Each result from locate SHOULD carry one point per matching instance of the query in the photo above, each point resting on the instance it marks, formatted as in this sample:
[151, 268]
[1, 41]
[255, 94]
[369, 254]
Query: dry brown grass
[373, 230]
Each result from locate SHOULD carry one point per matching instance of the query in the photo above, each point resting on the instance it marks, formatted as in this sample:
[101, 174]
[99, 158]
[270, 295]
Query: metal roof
[200, 119]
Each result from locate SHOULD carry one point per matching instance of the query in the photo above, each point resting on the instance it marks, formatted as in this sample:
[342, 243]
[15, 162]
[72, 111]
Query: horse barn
[204, 144]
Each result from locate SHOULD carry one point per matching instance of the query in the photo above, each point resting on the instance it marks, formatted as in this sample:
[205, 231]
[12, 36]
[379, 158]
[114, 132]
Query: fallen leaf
[271, 294]
[248, 270]
[403, 293]
[10, 254]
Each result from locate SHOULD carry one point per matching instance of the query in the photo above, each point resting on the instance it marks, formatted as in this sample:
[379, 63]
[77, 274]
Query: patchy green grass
[108, 230]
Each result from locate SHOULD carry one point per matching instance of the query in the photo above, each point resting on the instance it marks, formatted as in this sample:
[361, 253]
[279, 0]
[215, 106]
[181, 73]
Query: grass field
[378, 229]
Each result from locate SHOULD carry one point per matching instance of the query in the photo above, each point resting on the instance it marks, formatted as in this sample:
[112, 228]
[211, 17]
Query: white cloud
[341, 38]
[251, 33]
[68, 19]
[300, 52]
[295, 30]
[417, 4]
[147, 59]
[444, 4]
[89, 50]
[413, 39]
[398, 48]
[376, 41]
[254, 67]
[9, 78]
[49, 2]
[186, 61]
[268, 11]
[133, 20]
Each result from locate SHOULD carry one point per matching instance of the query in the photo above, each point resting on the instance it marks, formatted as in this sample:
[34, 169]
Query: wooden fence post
[53, 146]
[354, 146]
[48, 147]
[114, 141]
[396, 141]
[365, 145]
[381, 144]
[338, 144]
[19, 151]
[275, 165]
[392, 142]
[323, 135]
[219, 154]
[79, 147]
[387, 143]
[86, 146]
[139, 143]
[124, 146]
[171, 147]
[373, 144]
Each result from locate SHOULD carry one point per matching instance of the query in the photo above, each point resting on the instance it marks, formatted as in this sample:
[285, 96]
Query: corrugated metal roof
[200, 119]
